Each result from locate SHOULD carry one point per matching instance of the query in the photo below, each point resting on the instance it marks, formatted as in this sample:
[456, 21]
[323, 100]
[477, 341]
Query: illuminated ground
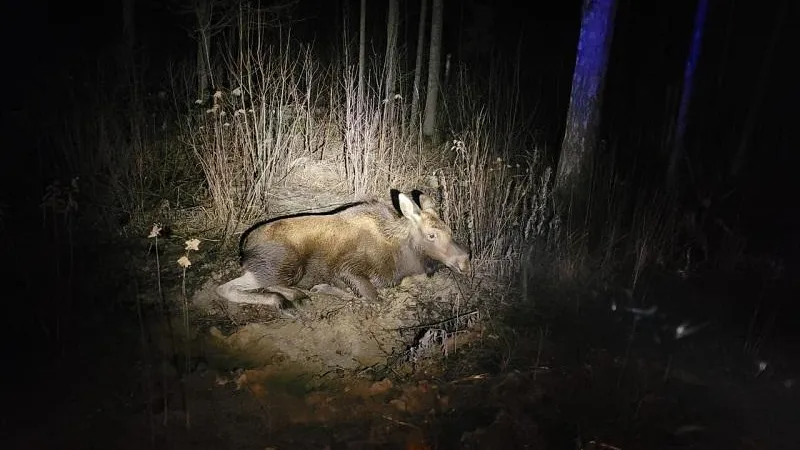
[554, 368]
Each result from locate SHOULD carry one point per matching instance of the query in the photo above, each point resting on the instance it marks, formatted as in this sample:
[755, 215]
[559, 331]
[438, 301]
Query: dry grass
[247, 140]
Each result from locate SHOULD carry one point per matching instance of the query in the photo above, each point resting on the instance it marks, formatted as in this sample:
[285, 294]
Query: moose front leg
[338, 289]
[361, 286]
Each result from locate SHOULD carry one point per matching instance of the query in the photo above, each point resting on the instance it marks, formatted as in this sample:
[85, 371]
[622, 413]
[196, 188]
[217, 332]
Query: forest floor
[555, 368]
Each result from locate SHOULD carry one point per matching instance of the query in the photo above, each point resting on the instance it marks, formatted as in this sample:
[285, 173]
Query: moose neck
[408, 262]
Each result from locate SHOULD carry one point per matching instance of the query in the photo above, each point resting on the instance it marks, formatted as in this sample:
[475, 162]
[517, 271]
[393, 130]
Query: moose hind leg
[238, 291]
[291, 294]
[275, 268]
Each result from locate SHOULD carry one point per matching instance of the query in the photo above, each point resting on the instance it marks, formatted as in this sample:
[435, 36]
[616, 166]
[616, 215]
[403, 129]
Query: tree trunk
[391, 61]
[362, 56]
[678, 139]
[203, 15]
[129, 38]
[758, 95]
[423, 16]
[583, 116]
[128, 27]
[129, 62]
[434, 67]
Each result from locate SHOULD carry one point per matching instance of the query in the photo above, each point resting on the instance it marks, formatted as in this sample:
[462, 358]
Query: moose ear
[427, 203]
[409, 208]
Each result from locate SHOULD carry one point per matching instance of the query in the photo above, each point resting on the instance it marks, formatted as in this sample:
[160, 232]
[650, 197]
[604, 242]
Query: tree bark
[583, 116]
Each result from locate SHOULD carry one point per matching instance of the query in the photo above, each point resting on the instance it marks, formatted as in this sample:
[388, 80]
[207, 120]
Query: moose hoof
[284, 304]
[288, 309]
[290, 313]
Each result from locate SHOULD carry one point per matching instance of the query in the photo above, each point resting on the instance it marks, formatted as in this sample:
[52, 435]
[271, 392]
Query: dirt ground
[440, 363]
[569, 381]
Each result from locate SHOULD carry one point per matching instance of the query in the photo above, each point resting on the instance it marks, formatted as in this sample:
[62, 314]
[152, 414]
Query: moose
[361, 246]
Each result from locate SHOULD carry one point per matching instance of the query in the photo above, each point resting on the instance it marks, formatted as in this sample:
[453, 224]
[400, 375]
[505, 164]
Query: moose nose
[466, 267]
[463, 266]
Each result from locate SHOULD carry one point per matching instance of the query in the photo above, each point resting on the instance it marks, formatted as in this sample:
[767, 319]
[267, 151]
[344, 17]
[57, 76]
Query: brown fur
[361, 247]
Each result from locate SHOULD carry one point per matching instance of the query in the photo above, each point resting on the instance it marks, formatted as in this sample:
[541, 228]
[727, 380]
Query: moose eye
[431, 236]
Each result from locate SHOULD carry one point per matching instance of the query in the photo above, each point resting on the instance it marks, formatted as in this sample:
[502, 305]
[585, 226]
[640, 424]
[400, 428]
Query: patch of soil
[330, 332]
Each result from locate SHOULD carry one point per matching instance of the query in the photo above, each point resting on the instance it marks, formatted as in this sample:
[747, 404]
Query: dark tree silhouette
[362, 55]
[415, 94]
[390, 65]
[760, 90]
[434, 68]
[686, 95]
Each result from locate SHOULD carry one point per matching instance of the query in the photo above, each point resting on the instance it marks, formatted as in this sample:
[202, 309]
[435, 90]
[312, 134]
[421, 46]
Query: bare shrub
[249, 138]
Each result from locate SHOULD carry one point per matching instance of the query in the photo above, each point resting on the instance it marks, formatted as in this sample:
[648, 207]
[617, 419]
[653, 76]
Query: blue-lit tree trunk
[678, 139]
[583, 116]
